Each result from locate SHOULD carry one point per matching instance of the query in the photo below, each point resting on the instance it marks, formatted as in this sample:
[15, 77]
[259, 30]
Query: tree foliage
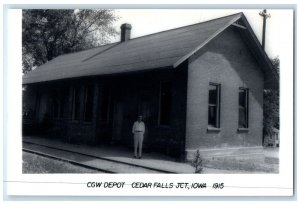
[271, 105]
[47, 33]
[276, 64]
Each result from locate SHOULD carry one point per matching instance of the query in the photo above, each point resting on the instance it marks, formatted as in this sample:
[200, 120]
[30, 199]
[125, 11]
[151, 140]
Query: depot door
[117, 121]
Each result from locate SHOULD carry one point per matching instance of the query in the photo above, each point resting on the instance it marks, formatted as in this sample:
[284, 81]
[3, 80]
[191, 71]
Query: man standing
[138, 131]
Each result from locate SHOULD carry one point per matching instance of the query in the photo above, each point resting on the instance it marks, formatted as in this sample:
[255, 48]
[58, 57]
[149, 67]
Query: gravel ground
[229, 166]
[271, 152]
[269, 165]
[35, 164]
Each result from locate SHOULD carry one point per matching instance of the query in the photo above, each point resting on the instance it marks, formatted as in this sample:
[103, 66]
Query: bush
[197, 162]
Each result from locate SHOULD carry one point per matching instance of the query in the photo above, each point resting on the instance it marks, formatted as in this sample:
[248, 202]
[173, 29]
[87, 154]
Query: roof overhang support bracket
[239, 26]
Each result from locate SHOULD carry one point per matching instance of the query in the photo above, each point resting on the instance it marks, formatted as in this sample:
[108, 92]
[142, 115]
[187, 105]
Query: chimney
[125, 32]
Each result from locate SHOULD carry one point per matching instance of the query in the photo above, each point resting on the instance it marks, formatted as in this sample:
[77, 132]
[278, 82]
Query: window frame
[76, 88]
[55, 109]
[105, 99]
[160, 104]
[217, 125]
[85, 102]
[57, 106]
[61, 107]
[246, 109]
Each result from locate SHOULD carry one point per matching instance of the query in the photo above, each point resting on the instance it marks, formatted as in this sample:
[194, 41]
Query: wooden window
[105, 100]
[214, 105]
[243, 107]
[165, 103]
[55, 108]
[88, 103]
[61, 107]
[76, 104]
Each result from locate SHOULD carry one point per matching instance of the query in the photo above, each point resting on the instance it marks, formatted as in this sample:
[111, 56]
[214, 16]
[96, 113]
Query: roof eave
[274, 76]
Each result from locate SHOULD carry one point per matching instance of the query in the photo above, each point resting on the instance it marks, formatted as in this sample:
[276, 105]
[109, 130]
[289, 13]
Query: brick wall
[225, 60]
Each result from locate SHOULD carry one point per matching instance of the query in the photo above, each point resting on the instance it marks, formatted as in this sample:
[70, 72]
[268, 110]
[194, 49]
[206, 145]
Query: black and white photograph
[103, 92]
[149, 102]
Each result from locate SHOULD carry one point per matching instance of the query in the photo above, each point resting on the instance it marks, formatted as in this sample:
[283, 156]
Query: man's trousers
[138, 143]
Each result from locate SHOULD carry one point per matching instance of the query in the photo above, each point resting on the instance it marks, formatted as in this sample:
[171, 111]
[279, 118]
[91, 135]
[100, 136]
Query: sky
[147, 21]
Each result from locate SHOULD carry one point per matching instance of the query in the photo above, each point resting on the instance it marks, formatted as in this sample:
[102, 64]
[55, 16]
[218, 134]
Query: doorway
[117, 121]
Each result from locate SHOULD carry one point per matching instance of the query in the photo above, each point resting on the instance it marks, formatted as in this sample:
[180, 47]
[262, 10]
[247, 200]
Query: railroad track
[66, 160]
[87, 160]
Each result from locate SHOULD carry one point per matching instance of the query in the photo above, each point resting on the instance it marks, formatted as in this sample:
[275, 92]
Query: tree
[271, 106]
[47, 33]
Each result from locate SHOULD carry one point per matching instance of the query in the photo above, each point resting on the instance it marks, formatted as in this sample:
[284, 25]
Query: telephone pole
[265, 15]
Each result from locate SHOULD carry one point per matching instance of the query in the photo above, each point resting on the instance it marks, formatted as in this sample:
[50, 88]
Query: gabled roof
[164, 49]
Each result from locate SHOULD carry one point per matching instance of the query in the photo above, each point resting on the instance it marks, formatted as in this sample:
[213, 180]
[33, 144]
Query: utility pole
[265, 15]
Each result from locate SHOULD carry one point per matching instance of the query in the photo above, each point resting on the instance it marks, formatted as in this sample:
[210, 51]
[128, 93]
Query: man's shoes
[140, 157]
[134, 157]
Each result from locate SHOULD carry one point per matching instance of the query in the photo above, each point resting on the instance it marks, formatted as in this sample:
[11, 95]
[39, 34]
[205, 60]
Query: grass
[35, 164]
[243, 165]
[268, 164]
